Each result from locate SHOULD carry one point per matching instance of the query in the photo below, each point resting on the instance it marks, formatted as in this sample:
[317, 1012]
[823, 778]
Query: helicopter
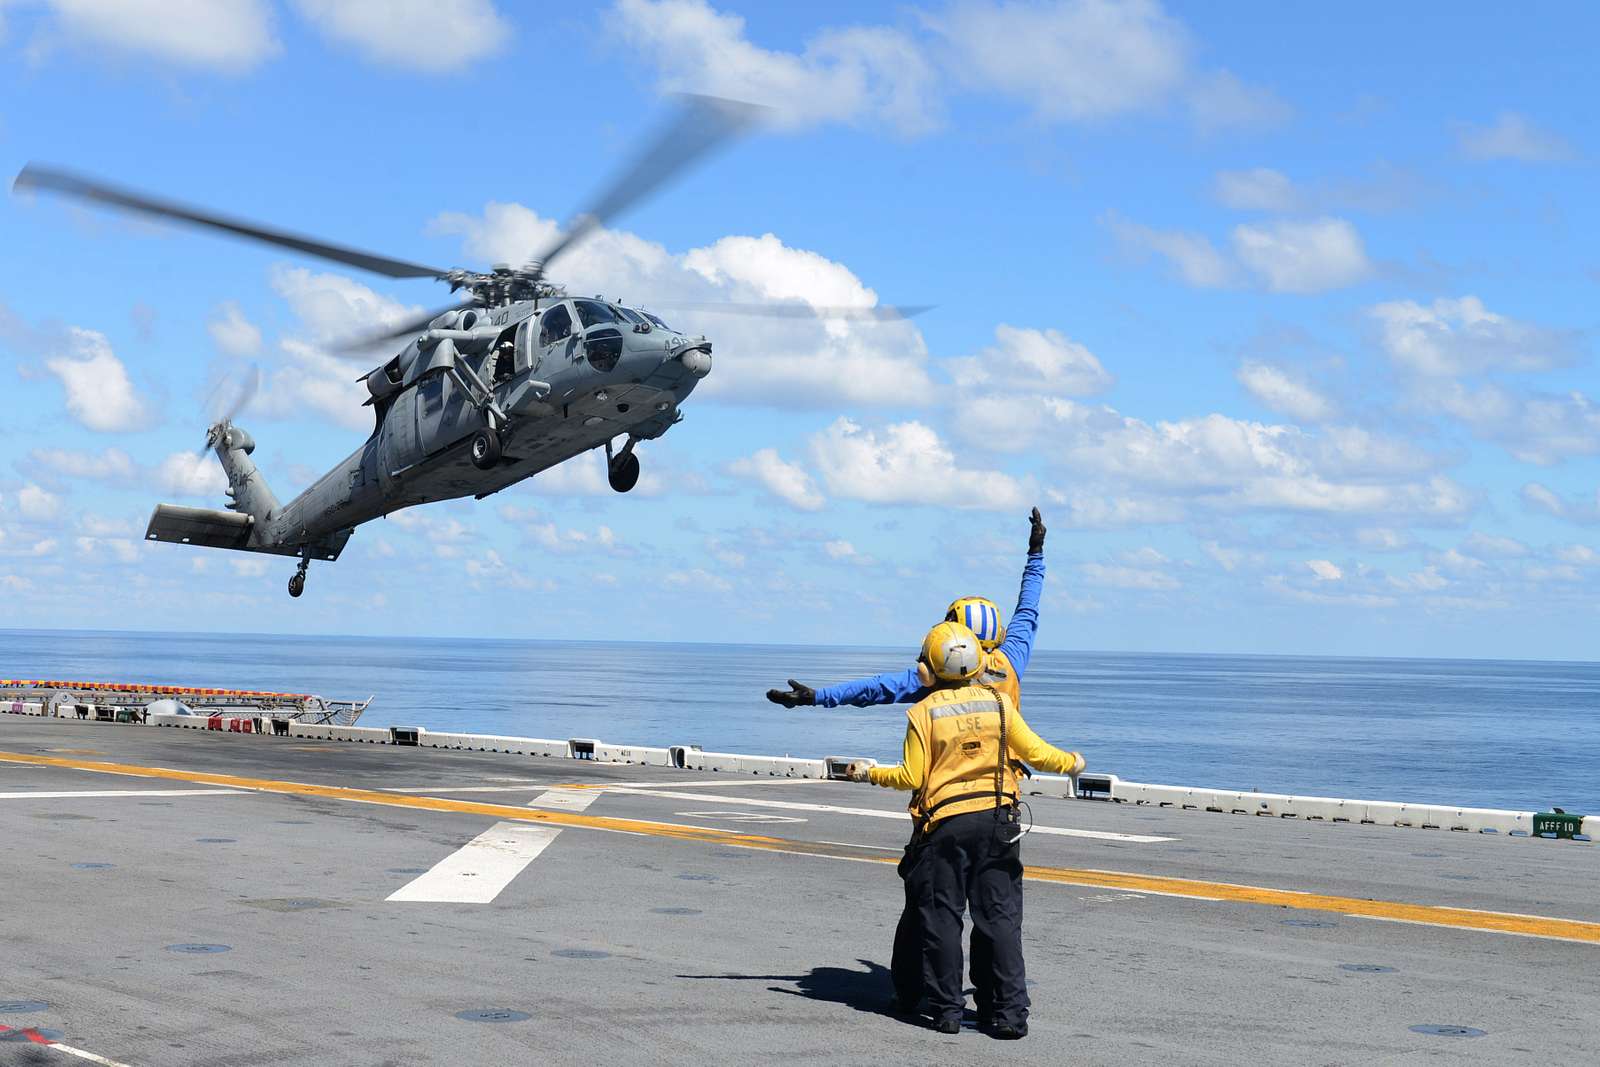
[511, 381]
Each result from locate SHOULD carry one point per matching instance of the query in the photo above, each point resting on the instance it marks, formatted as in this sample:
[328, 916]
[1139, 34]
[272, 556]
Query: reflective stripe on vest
[960, 733]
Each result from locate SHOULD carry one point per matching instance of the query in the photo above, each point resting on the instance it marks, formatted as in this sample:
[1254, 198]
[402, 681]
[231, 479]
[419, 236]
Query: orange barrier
[165, 690]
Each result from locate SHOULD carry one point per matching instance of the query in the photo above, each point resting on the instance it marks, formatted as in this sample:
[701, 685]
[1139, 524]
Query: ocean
[1481, 733]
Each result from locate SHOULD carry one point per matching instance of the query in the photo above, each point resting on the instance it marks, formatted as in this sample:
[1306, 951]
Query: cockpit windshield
[632, 316]
[655, 320]
[592, 311]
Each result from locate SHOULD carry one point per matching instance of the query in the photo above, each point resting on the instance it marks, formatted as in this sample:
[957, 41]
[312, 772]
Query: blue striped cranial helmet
[978, 614]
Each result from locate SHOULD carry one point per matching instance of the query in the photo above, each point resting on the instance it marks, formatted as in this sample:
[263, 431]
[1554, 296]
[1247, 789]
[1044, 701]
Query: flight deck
[179, 897]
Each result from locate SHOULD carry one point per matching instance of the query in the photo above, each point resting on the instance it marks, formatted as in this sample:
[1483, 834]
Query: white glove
[857, 770]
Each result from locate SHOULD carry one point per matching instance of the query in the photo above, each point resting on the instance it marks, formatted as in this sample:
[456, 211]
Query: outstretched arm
[893, 687]
[1033, 750]
[1018, 645]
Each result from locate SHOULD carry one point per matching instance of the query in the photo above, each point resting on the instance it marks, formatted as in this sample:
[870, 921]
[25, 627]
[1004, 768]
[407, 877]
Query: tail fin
[250, 508]
[247, 489]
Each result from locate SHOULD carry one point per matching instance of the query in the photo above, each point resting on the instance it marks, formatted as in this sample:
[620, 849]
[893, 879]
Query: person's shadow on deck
[865, 991]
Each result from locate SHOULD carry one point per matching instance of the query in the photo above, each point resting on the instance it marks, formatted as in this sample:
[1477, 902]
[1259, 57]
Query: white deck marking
[476, 872]
[880, 813]
[82, 1055]
[565, 799]
[91, 793]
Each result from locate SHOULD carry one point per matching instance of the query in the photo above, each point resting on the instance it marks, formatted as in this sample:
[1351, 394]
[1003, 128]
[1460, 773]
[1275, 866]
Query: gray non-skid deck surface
[639, 949]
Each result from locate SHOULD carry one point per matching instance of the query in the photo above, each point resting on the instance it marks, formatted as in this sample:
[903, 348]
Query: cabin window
[592, 311]
[503, 356]
[432, 390]
[556, 325]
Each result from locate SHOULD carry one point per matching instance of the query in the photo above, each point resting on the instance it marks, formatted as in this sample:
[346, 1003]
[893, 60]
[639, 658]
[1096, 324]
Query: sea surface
[1503, 734]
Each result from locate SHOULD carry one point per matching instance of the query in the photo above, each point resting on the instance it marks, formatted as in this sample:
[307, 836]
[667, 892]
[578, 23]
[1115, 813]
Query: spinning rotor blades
[705, 124]
[408, 328]
[876, 313]
[34, 176]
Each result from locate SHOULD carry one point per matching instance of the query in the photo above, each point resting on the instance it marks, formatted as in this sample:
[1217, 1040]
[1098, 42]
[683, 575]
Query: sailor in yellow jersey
[960, 744]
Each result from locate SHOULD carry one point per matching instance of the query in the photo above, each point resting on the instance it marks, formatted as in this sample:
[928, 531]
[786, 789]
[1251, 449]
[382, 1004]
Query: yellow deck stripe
[1398, 911]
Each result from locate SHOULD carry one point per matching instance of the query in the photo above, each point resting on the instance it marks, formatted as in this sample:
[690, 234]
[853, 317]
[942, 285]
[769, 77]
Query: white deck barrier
[1089, 786]
[1329, 809]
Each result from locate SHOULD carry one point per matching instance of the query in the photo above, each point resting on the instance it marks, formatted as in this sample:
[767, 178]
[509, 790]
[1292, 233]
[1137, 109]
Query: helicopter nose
[697, 359]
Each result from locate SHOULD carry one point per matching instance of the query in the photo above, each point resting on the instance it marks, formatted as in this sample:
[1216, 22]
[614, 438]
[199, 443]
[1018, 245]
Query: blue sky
[1284, 318]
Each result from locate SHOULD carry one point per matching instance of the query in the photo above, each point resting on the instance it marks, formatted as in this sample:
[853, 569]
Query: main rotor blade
[362, 342]
[702, 125]
[34, 176]
[876, 313]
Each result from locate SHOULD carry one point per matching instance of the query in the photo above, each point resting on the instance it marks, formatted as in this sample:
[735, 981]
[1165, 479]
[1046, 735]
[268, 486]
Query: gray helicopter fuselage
[565, 377]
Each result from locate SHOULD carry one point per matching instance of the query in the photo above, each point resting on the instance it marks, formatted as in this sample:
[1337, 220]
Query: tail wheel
[624, 472]
[485, 449]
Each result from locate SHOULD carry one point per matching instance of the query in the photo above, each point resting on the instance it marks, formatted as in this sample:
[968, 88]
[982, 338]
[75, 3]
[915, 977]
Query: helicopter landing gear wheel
[485, 448]
[624, 472]
[297, 582]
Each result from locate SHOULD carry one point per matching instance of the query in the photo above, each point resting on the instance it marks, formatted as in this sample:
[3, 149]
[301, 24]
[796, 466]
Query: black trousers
[965, 862]
[906, 965]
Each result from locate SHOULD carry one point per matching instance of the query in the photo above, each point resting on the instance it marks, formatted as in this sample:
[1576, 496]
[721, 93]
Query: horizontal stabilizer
[199, 526]
[229, 529]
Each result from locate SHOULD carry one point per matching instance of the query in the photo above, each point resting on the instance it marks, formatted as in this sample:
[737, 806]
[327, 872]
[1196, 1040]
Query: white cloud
[1285, 392]
[190, 474]
[759, 360]
[249, 568]
[1512, 136]
[99, 392]
[697, 579]
[1303, 256]
[1260, 189]
[1325, 570]
[1040, 360]
[36, 504]
[1539, 428]
[108, 465]
[432, 36]
[312, 382]
[1194, 258]
[1491, 546]
[1078, 60]
[855, 74]
[1236, 465]
[1383, 539]
[1116, 576]
[1221, 101]
[1541, 498]
[1580, 555]
[787, 481]
[232, 36]
[906, 463]
[119, 549]
[1453, 337]
[232, 333]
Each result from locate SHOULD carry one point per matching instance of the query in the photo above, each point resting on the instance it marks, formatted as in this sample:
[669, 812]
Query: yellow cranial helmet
[978, 614]
[952, 653]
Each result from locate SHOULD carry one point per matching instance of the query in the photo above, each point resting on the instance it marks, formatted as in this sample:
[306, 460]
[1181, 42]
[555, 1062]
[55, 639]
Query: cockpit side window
[592, 311]
[556, 324]
[631, 316]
